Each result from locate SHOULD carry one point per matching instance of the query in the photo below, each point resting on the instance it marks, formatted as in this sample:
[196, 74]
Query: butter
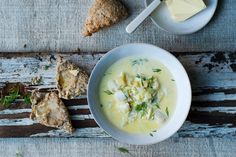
[182, 10]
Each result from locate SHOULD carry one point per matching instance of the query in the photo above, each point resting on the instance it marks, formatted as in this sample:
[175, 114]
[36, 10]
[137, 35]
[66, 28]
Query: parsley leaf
[139, 61]
[157, 105]
[167, 111]
[156, 70]
[108, 92]
[19, 154]
[27, 99]
[123, 150]
[9, 99]
[46, 67]
[141, 108]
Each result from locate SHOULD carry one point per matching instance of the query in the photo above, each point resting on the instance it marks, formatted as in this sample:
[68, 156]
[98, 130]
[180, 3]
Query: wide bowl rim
[100, 123]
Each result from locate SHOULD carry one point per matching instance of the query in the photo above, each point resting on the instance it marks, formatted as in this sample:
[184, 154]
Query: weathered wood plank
[198, 124]
[15, 115]
[15, 131]
[212, 76]
[201, 121]
[206, 70]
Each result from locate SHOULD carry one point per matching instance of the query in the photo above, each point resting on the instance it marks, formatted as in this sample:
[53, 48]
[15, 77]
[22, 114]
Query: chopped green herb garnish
[126, 95]
[141, 76]
[9, 99]
[46, 67]
[141, 107]
[157, 105]
[123, 150]
[138, 76]
[167, 111]
[172, 80]
[108, 92]
[151, 79]
[140, 61]
[101, 105]
[154, 131]
[154, 99]
[156, 70]
[27, 99]
[19, 154]
[151, 134]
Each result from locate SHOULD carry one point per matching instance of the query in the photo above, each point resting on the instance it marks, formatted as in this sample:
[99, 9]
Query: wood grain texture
[56, 25]
[212, 113]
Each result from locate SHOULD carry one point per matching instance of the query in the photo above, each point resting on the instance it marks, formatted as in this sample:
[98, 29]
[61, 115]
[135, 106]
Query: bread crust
[71, 80]
[104, 13]
[49, 110]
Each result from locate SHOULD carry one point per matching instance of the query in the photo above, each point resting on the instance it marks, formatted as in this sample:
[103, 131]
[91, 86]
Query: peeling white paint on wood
[22, 69]
[49, 87]
[190, 129]
[78, 107]
[215, 97]
[81, 97]
[228, 110]
[83, 132]
[81, 117]
[14, 111]
[187, 130]
[19, 122]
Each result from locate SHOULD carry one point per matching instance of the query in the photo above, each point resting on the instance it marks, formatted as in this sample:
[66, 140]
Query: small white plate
[162, 18]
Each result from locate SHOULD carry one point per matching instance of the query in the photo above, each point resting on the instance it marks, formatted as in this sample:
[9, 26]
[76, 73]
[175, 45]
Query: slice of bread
[49, 110]
[104, 13]
[71, 79]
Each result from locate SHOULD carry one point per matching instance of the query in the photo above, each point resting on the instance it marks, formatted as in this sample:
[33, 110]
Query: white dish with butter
[183, 16]
[139, 94]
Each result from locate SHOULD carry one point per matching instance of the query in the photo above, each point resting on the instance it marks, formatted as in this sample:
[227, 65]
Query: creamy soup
[137, 94]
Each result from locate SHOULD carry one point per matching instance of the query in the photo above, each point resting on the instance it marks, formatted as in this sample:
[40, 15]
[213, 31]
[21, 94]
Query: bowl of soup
[139, 94]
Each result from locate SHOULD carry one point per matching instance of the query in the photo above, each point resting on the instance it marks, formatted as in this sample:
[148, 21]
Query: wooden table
[212, 114]
[34, 32]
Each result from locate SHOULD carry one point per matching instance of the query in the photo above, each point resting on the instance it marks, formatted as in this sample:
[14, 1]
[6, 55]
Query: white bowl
[182, 84]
